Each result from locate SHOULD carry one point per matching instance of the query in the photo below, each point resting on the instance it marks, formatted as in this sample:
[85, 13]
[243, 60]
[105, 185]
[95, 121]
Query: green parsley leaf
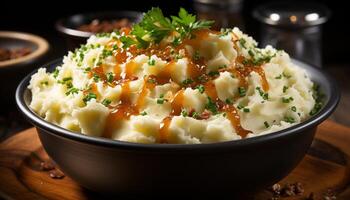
[127, 41]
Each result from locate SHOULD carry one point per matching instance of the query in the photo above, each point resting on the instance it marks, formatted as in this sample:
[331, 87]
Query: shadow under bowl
[216, 169]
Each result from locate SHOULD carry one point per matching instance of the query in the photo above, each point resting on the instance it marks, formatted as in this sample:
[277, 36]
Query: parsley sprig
[154, 27]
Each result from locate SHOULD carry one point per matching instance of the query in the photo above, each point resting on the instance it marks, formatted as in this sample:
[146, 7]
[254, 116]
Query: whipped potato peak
[173, 81]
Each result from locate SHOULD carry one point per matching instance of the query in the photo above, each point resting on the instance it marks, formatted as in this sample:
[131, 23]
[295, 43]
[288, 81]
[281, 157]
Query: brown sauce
[164, 130]
[195, 69]
[233, 116]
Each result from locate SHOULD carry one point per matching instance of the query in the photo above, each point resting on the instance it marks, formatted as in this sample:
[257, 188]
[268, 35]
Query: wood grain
[325, 167]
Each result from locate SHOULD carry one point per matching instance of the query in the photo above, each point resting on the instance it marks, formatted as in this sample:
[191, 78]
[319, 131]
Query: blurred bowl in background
[78, 28]
[20, 53]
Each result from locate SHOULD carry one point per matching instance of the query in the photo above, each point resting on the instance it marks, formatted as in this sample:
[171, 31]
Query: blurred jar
[293, 27]
[225, 13]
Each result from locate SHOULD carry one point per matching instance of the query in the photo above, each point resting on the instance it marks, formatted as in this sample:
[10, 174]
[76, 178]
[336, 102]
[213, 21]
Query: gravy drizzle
[196, 68]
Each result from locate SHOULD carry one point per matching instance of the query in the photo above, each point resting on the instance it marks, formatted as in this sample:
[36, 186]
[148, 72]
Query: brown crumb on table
[56, 174]
[46, 165]
[310, 197]
[287, 190]
[329, 195]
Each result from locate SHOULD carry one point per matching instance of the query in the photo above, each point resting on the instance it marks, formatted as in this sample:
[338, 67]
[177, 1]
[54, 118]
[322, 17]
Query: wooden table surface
[323, 173]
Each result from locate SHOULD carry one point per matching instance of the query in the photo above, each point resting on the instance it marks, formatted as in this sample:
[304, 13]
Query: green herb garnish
[287, 100]
[211, 106]
[72, 90]
[200, 88]
[187, 81]
[154, 26]
[246, 110]
[241, 91]
[110, 77]
[106, 102]
[267, 125]
[89, 96]
[289, 119]
[264, 95]
[184, 113]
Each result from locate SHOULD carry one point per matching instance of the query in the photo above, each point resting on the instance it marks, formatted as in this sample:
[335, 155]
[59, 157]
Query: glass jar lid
[292, 14]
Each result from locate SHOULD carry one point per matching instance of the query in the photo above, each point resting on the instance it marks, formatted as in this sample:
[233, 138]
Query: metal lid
[293, 15]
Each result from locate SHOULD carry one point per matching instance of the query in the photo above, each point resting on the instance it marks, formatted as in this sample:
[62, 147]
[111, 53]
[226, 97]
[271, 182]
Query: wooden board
[324, 170]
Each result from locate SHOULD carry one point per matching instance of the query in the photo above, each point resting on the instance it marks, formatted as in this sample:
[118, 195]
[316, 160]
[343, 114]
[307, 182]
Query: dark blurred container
[294, 27]
[226, 13]
[68, 27]
[12, 71]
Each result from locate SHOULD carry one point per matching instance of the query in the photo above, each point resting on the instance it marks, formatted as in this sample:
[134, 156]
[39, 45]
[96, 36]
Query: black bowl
[68, 27]
[223, 168]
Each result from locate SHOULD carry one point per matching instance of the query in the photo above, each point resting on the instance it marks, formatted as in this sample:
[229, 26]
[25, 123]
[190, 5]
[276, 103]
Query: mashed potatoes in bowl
[174, 82]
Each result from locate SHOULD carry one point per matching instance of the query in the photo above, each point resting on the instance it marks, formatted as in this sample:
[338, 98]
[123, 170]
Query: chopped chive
[241, 91]
[110, 77]
[293, 108]
[267, 125]
[211, 106]
[44, 83]
[151, 61]
[106, 102]
[200, 88]
[55, 73]
[279, 76]
[72, 91]
[289, 119]
[184, 113]
[89, 96]
[246, 110]
[287, 100]
[187, 81]
[229, 101]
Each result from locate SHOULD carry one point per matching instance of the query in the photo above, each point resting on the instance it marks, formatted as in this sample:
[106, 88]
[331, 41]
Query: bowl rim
[61, 27]
[51, 128]
[41, 43]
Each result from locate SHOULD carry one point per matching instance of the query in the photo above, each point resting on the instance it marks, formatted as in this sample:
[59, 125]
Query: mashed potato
[216, 87]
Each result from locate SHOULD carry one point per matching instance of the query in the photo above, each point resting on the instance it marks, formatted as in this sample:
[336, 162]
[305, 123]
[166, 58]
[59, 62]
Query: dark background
[39, 18]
